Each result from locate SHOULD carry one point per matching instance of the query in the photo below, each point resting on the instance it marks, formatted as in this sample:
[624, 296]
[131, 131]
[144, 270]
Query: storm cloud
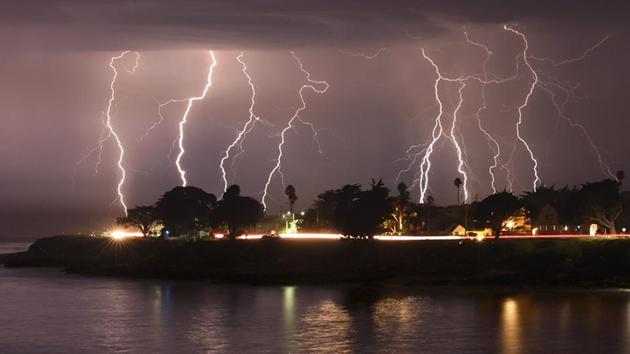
[158, 24]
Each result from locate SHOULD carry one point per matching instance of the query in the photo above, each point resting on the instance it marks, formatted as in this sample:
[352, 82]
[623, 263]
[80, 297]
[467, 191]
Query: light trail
[311, 84]
[247, 127]
[525, 104]
[334, 236]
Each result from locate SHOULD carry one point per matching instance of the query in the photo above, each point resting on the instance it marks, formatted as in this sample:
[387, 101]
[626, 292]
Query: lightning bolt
[494, 144]
[311, 84]
[179, 141]
[364, 55]
[183, 121]
[438, 129]
[559, 109]
[460, 160]
[110, 127]
[522, 107]
[247, 127]
[557, 63]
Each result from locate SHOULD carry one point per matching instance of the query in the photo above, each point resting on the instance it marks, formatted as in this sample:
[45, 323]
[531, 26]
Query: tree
[496, 208]
[602, 203]
[564, 200]
[426, 212]
[321, 214]
[141, 217]
[185, 210]
[291, 195]
[400, 209]
[458, 183]
[361, 214]
[236, 212]
[621, 175]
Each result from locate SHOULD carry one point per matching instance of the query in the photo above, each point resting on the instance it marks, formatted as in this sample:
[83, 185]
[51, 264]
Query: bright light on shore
[120, 234]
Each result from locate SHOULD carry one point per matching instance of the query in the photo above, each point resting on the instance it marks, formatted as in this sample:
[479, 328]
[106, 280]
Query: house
[459, 230]
[548, 222]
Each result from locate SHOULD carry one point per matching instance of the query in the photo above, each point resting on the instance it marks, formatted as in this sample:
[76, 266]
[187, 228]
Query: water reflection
[53, 312]
[289, 316]
[510, 327]
[398, 319]
[324, 328]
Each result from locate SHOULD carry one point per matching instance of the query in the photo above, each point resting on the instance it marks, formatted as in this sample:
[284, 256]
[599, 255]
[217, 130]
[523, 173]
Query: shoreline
[601, 264]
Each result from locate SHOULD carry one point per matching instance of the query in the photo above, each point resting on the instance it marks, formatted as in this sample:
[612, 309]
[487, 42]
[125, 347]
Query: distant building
[459, 230]
[548, 222]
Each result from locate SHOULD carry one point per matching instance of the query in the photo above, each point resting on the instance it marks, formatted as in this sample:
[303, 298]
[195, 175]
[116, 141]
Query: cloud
[145, 24]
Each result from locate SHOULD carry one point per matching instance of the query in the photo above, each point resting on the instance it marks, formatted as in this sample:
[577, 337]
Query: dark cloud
[248, 23]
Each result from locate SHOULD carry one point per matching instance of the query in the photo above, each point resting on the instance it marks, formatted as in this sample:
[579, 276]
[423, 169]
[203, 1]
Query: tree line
[188, 210]
[356, 212]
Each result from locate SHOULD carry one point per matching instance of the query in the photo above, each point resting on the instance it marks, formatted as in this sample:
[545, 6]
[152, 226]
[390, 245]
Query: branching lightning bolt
[425, 165]
[311, 84]
[559, 108]
[247, 127]
[557, 63]
[494, 144]
[522, 107]
[364, 55]
[110, 127]
[460, 160]
[182, 123]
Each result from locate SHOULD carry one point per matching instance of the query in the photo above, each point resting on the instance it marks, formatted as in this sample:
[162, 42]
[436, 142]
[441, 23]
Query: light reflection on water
[48, 311]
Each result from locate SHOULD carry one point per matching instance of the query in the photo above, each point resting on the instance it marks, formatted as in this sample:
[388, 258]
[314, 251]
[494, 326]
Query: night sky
[54, 88]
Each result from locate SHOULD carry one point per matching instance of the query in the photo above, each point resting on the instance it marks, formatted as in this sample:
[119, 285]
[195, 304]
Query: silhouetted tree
[401, 208]
[321, 214]
[494, 209]
[621, 175]
[427, 211]
[185, 210]
[458, 183]
[291, 195]
[141, 217]
[602, 203]
[360, 213]
[236, 212]
[564, 200]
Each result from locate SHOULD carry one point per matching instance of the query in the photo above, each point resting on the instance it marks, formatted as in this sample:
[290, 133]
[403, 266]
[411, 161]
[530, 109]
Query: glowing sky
[54, 86]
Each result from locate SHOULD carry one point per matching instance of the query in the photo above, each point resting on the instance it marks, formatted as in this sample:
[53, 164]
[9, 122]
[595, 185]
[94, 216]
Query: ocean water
[48, 311]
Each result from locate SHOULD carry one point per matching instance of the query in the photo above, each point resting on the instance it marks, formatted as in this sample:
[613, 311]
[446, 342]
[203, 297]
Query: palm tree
[458, 183]
[292, 195]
